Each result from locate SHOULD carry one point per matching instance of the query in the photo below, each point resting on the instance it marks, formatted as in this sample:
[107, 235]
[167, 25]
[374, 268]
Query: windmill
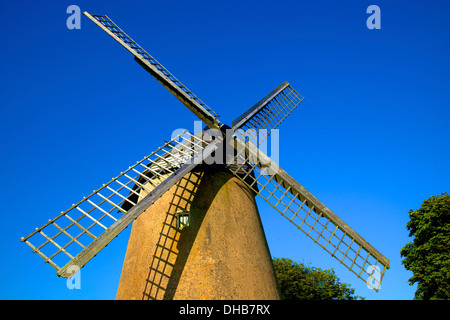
[168, 188]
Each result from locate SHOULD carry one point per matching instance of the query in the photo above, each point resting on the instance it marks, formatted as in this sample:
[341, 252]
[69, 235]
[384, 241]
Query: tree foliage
[299, 282]
[428, 256]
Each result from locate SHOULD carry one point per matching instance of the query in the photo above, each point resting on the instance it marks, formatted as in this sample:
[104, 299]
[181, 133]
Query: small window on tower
[182, 219]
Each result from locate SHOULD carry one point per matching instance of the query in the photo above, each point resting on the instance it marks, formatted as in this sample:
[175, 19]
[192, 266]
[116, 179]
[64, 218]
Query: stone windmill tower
[197, 233]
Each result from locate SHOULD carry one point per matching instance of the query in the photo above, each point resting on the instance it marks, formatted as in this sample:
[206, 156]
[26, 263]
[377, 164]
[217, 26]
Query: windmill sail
[266, 115]
[189, 99]
[308, 214]
[79, 233]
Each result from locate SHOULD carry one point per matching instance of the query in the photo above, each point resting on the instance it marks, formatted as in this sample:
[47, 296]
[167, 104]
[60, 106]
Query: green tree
[299, 282]
[428, 256]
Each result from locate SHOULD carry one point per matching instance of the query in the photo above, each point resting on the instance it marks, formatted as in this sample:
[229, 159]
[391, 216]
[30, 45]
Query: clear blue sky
[371, 139]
